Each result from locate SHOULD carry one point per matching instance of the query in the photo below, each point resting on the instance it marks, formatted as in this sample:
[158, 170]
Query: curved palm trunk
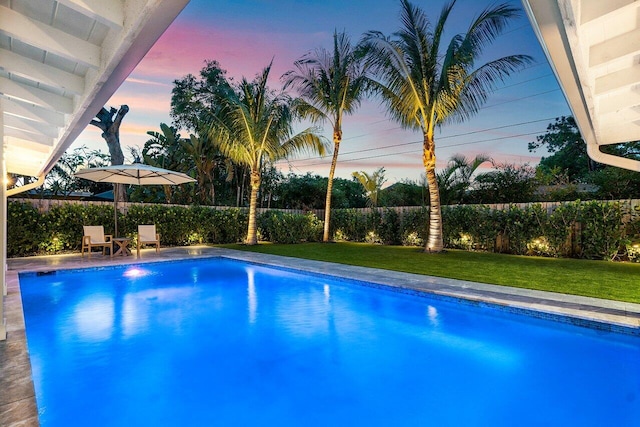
[434, 241]
[337, 138]
[252, 235]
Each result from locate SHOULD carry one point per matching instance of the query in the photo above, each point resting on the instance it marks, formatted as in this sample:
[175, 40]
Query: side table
[122, 246]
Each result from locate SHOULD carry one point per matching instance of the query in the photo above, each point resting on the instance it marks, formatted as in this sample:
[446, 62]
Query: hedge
[594, 230]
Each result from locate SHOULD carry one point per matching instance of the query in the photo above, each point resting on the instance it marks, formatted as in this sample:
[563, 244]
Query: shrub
[279, 227]
[414, 226]
[558, 228]
[348, 224]
[25, 230]
[390, 228]
[601, 229]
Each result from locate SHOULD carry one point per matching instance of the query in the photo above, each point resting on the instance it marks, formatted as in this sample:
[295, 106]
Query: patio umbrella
[137, 174]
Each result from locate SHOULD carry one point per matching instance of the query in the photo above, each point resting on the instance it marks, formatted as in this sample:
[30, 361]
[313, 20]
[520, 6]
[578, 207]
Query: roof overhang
[594, 48]
[60, 62]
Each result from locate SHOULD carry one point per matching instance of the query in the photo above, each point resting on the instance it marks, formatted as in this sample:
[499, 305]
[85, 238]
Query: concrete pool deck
[17, 400]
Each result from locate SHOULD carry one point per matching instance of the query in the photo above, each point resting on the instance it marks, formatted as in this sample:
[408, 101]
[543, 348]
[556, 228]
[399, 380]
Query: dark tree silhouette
[110, 127]
[109, 122]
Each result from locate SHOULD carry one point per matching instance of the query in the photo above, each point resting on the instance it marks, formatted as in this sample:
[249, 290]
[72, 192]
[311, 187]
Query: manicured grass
[601, 279]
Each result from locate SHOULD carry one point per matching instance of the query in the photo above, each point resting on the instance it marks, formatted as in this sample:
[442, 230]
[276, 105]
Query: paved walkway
[17, 400]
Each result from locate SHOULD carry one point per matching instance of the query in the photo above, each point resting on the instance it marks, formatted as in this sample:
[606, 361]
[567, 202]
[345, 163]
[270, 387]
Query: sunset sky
[244, 36]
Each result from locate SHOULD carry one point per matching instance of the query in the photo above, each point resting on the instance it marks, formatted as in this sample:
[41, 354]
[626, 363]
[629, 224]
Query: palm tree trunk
[434, 241]
[167, 193]
[252, 235]
[337, 138]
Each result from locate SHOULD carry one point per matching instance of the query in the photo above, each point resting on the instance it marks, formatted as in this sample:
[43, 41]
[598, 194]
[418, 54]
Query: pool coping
[17, 403]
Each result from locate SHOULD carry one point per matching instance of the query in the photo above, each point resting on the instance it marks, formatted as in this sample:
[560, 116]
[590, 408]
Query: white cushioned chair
[94, 237]
[147, 236]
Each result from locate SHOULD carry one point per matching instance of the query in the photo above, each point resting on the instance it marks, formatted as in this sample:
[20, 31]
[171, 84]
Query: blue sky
[245, 35]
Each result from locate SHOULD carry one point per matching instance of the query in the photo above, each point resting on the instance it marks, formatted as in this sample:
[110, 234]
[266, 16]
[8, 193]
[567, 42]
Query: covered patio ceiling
[60, 62]
[594, 48]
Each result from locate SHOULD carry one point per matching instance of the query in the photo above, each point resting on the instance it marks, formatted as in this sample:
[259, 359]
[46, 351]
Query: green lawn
[601, 279]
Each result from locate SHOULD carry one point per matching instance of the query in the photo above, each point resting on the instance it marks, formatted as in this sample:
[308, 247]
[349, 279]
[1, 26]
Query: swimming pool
[220, 342]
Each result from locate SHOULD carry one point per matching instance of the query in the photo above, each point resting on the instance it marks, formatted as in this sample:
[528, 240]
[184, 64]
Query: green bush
[389, 228]
[585, 229]
[414, 225]
[348, 224]
[25, 231]
[279, 227]
[517, 228]
[558, 228]
[602, 232]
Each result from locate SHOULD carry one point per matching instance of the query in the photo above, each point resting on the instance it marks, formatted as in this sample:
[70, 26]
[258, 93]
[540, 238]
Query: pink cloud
[138, 103]
[186, 45]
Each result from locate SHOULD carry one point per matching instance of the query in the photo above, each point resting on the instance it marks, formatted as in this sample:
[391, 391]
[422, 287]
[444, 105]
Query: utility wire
[346, 153]
[488, 106]
[416, 152]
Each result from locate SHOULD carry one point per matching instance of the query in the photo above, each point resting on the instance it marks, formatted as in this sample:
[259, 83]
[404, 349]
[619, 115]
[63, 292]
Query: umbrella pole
[115, 208]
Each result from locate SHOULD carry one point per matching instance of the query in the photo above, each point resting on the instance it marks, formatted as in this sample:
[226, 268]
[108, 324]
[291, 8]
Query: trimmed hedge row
[593, 229]
[60, 228]
[597, 230]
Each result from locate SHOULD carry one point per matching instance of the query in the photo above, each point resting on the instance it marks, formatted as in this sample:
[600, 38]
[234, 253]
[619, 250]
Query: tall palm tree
[253, 125]
[372, 184]
[425, 84]
[331, 84]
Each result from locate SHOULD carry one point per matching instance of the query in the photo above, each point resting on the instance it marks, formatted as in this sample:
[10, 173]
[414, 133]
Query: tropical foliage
[455, 181]
[427, 84]
[596, 230]
[372, 184]
[330, 84]
[253, 125]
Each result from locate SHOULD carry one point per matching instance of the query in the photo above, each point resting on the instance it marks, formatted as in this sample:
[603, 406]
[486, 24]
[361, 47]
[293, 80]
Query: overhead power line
[418, 152]
[439, 139]
[487, 106]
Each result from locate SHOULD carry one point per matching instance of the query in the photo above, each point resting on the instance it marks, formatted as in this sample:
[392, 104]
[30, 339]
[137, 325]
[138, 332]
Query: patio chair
[94, 237]
[147, 236]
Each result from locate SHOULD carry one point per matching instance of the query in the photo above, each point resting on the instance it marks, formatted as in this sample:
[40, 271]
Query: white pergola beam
[615, 134]
[17, 144]
[36, 96]
[33, 112]
[617, 80]
[108, 12]
[627, 44]
[593, 9]
[31, 126]
[615, 102]
[39, 72]
[24, 154]
[49, 39]
[39, 140]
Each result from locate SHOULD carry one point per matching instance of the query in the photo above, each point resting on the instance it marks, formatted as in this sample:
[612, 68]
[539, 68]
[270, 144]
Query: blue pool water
[222, 343]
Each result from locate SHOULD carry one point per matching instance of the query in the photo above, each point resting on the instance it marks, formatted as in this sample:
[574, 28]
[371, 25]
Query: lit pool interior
[219, 342]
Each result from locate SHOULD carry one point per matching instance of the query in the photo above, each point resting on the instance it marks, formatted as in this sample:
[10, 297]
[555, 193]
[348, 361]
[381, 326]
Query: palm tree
[205, 160]
[425, 85]
[372, 184]
[331, 84]
[163, 150]
[254, 125]
[456, 179]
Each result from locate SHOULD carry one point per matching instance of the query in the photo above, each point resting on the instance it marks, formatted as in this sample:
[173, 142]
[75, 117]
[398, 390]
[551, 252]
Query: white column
[3, 226]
